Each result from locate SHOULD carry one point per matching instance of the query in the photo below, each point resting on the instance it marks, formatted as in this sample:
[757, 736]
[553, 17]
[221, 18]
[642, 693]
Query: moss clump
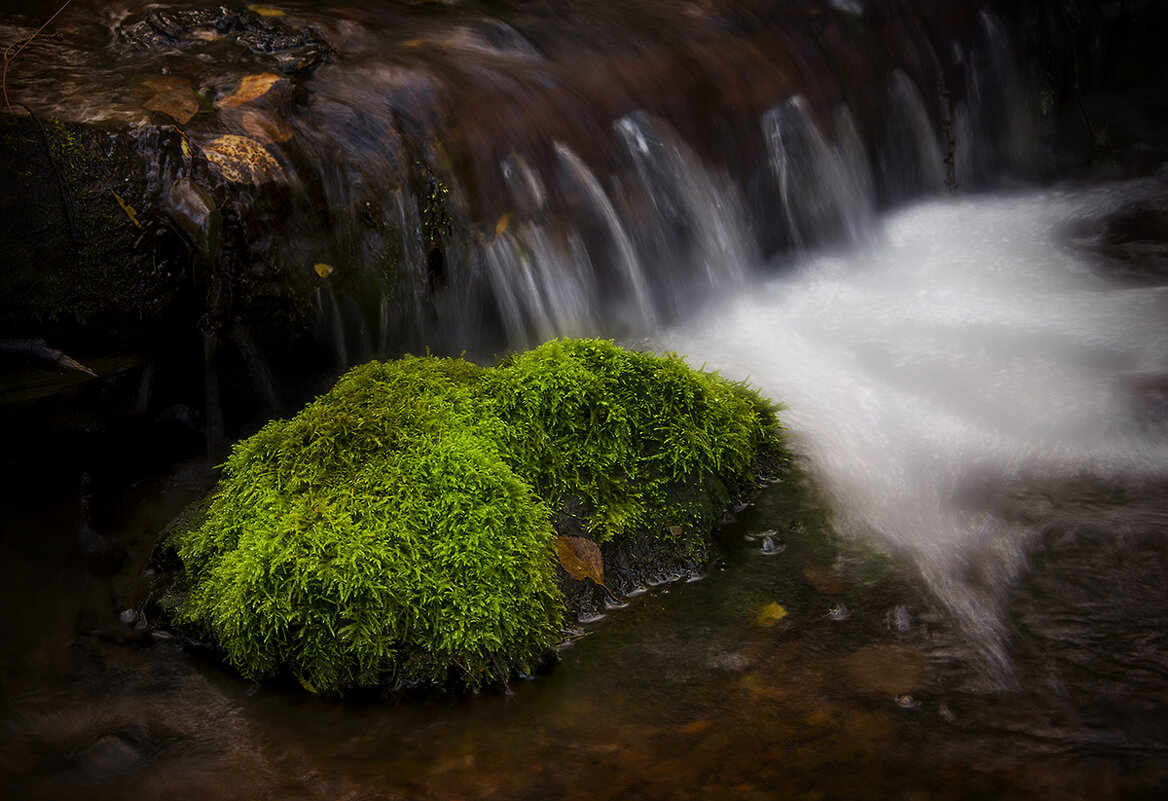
[645, 441]
[397, 530]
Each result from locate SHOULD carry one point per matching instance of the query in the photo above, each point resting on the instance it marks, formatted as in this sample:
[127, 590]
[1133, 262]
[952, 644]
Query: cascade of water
[697, 236]
[967, 360]
[910, 158]
[824, 191]
[999, 139]
[542, 283]
[639, 313]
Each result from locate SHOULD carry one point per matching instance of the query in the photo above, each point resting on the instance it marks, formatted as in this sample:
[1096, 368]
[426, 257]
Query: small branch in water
[39, 352]
[951, 141]
[1096, 141]
[946, 121]
[20, 44]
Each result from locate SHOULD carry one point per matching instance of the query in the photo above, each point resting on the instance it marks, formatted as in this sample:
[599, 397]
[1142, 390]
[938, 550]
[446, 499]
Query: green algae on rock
[398, 530]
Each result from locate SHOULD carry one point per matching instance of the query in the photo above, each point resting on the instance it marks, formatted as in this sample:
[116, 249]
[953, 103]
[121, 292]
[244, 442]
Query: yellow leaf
[252, 87]
[501, 226]
[322, 269]
[242, 160]
[771, 614]
[266, 11]
[126, 207]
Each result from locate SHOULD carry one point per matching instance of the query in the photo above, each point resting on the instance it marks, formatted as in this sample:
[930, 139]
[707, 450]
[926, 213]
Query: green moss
[632, 434]
[397, 530]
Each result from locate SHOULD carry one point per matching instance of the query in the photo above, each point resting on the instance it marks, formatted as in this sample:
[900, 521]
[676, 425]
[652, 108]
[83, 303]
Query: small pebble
[770, 547]
[838, 612]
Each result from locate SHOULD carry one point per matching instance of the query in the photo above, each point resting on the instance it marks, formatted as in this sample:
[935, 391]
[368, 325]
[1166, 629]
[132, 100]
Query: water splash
[969, 358]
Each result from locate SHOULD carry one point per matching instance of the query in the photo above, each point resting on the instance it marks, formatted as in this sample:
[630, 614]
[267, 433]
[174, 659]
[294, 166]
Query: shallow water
[975, 394]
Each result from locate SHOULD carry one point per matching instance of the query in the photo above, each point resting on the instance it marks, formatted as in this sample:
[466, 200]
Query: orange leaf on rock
[178, 101]
[252, 87]
[581, 558]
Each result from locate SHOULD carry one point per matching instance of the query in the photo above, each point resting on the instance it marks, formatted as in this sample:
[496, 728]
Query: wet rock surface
[160, 29]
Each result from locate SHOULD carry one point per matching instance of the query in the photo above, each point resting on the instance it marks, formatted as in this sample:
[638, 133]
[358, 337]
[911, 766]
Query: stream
[969, 603]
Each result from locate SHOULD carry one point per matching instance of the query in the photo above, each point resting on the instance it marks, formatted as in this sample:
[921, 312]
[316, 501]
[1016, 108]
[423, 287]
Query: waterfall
[697, 237]
[997, 128]
[825, 191]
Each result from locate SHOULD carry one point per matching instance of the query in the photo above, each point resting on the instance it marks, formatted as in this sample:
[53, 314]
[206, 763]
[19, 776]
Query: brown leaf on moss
[252, 87]
[581, 558]
[242, 160]
[177, 101]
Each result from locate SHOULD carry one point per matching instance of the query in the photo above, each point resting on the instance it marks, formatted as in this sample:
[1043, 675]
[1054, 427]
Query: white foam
[970, 347]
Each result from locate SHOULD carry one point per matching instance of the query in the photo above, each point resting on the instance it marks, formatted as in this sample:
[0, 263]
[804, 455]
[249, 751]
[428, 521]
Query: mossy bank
[401, 529]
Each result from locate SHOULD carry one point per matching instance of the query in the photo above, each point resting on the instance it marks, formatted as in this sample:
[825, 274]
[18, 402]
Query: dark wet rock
[1133, 241]
[292, 51]
[190, 206]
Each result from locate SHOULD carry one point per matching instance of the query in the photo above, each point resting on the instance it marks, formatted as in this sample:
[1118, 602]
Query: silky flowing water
[982, 405]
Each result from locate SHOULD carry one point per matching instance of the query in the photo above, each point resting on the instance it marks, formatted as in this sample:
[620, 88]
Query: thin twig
[9, 56]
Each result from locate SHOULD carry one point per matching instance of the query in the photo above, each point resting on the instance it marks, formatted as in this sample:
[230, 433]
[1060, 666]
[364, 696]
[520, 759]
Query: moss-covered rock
[399, 530]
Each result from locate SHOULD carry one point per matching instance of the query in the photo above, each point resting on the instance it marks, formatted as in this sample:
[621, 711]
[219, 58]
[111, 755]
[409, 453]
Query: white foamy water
[973, 350]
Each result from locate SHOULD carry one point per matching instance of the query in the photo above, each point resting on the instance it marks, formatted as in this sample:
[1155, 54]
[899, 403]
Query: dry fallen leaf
[771, 614]
[502, 224]
[266, 127]
[242, 160]
[581, 558]
[126, 207]
[178, 101]
[252, 87]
